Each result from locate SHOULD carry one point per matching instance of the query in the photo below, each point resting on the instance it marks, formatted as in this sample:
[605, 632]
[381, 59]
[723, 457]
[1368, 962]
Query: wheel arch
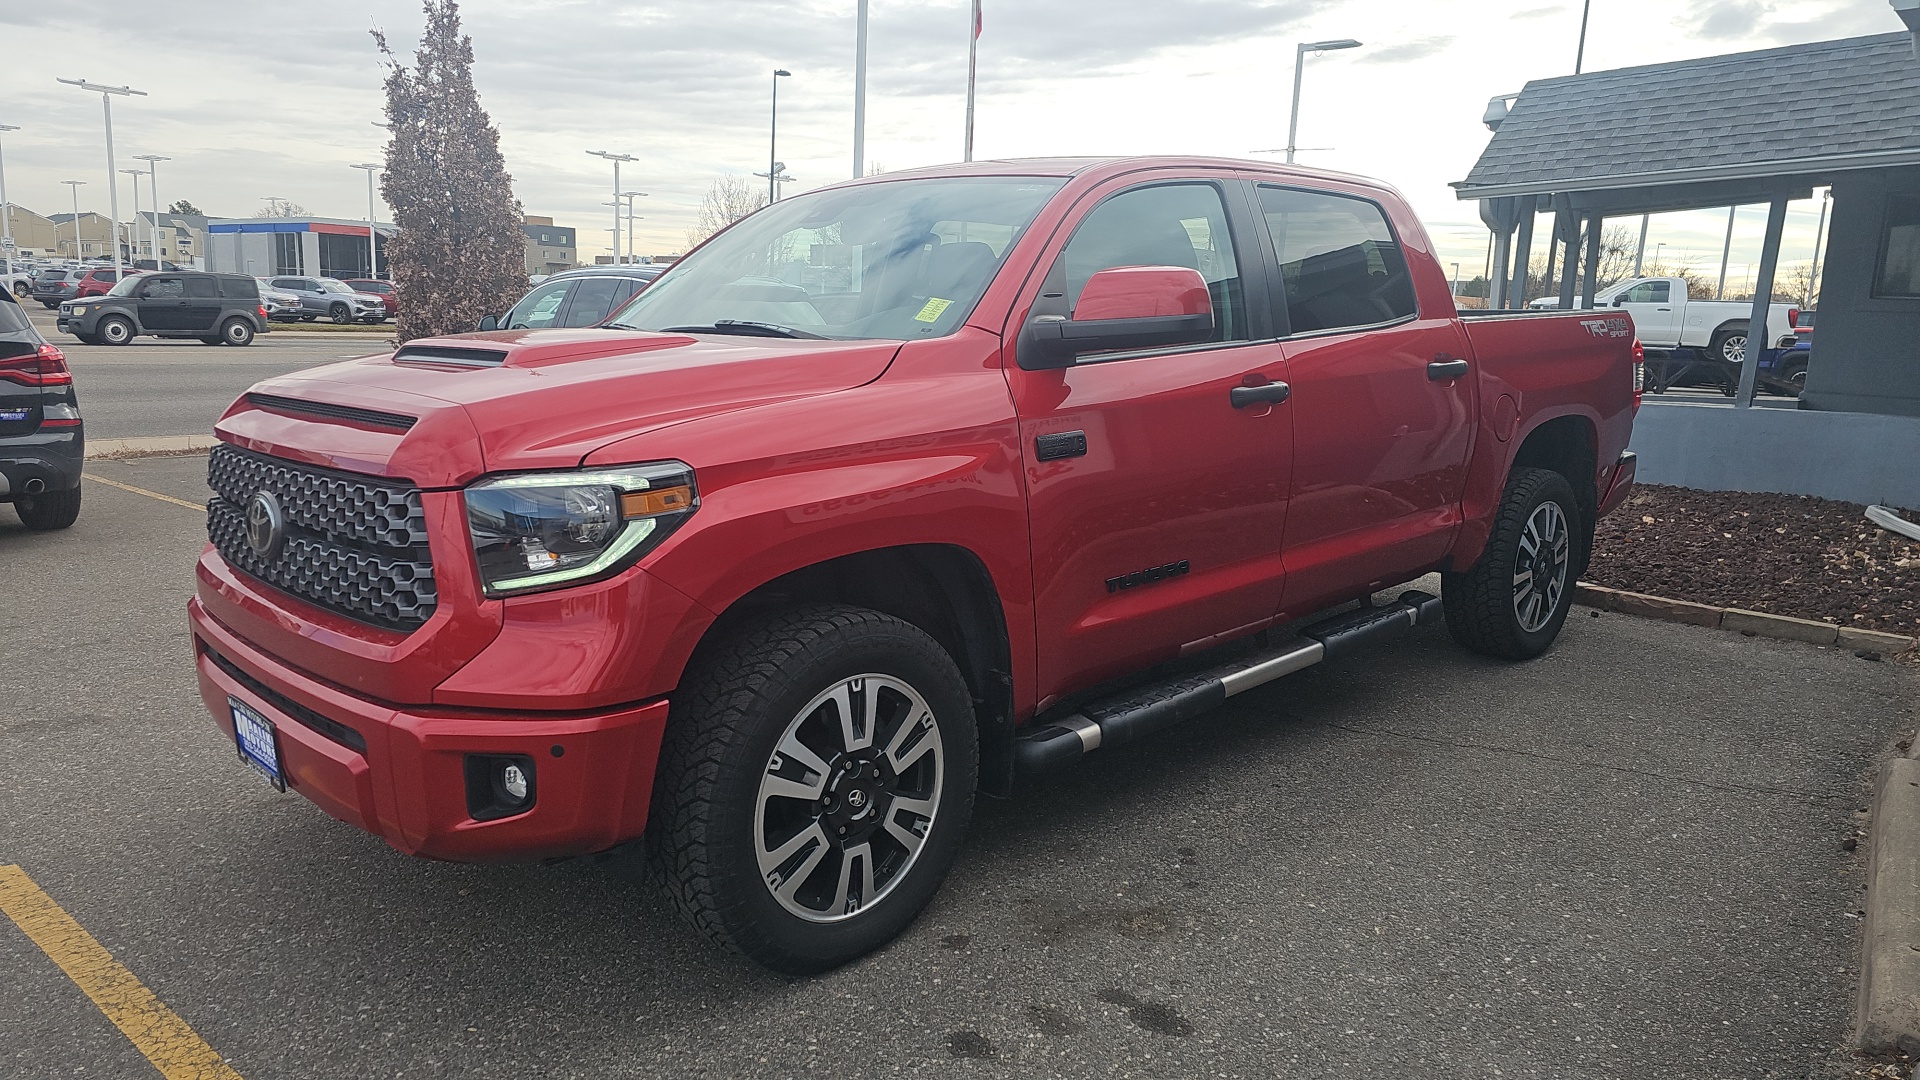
[943, 589]
[1566, 441]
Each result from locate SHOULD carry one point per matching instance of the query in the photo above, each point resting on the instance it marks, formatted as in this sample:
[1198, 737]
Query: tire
[1728, 345]
[210, 339]
[86, 339]
[50, 307]
[747, 719]
[236, 332]
[48, 510]
[340, 314]
[1486, 610]
[114, 330]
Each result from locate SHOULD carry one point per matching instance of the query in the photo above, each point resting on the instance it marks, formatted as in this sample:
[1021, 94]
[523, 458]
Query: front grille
[354, 544]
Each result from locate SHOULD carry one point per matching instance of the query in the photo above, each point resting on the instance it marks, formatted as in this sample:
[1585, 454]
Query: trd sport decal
[1150, 574]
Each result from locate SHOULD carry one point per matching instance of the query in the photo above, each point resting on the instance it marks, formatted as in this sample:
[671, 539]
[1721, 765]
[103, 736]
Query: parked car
[217, 309]
[148, 264]
[19, 282]
[888, 494]
[1786, 369]
[101, 282]
[42, 445]
[332, 299]
[375, 287]
[51, 286]
[579, 297]
[281, 305]
[1665, 318]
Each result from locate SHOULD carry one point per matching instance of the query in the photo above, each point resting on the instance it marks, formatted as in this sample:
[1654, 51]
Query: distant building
[93, 240]
[309, 247]
[182, 237]
[33, 235]
[550, 248]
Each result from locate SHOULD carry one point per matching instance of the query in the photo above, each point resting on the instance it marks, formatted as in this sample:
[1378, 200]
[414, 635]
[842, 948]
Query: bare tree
[1799, 284]
[1698, 287]
[278, 208]
[1617, 244]
[459, 251]
[728, 199]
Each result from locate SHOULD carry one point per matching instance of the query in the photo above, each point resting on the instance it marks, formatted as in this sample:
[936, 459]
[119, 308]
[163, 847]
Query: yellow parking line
[154, 1029]
[144, 491]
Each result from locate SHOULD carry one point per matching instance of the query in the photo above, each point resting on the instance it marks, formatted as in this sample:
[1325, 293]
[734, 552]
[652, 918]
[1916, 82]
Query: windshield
[330, 285]
[899, 260]
[125, 286]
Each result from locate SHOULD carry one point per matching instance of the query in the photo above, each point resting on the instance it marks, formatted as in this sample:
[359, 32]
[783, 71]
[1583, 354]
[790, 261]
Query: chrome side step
[1144, 710]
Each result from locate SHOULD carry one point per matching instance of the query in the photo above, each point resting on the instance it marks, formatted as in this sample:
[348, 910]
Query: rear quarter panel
[1533, 368]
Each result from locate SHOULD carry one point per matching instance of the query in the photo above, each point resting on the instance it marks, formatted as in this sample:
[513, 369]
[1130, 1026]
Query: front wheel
[236, 332]
[814, 786]
[114, 330]
[1512, 602]
[340, 314]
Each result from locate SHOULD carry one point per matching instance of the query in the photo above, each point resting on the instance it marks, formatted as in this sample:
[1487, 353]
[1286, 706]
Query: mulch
[1782, 554]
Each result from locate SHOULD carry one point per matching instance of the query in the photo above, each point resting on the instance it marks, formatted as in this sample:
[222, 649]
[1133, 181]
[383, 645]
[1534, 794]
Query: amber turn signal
[660, 501]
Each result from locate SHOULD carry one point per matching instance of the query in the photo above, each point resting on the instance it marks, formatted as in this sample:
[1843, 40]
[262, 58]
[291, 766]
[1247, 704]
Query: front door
[1156, 506]
[1651, 303]
[161, 303]
[1382, 401]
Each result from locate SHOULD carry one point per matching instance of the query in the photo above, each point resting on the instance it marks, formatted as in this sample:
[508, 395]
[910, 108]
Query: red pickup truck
[868, 505]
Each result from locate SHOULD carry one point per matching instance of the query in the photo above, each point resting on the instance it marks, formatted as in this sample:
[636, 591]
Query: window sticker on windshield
[935, 308]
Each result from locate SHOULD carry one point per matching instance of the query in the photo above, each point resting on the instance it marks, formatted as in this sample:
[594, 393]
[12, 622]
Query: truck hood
[443, 411]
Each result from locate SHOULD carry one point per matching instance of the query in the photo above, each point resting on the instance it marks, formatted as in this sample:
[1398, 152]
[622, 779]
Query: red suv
[382, 289]
[97, 282]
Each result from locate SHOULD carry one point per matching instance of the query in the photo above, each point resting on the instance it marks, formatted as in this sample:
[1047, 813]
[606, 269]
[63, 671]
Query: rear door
[200, 308]
[1156, 507]
[1382, 400]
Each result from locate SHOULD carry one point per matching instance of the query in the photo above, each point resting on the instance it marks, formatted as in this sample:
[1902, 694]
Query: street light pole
[153, 188]
[860, 90]
[1580, 55]
[373, 256]
[134, 233]
[6, 208]
[616, 159]
[107, 94]
[75, 186]
[629, 196]
[773, 139]
[1299, 62]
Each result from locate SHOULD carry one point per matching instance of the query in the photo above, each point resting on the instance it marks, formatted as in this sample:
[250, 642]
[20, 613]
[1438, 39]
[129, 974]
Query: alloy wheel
[1540, 571]
[1734, 349]
[848, 798]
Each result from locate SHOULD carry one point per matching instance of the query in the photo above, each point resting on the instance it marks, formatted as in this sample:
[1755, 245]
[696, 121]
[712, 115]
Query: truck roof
[1101, 167]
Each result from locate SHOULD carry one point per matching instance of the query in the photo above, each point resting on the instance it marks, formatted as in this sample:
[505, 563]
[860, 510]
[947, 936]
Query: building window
[1899, 272]
[286, 253]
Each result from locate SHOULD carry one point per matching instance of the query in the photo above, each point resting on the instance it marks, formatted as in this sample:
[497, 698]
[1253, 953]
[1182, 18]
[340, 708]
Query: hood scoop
[303, 407]
[458, 355]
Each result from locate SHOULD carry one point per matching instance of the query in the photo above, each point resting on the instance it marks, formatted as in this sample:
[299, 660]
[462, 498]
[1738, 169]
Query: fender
[1487, 479]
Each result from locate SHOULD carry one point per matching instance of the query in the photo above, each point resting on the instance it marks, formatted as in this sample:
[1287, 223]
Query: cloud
[1539, 12]
[1407, 51]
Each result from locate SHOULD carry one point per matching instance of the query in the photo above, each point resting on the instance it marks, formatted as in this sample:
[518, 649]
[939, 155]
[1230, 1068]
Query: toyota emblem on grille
[266, 525]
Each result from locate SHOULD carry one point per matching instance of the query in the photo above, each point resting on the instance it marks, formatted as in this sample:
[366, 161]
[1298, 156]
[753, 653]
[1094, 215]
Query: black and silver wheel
[814, 786]
[340, 313]
[1512, 602]
[114, 330]
[1729, 346]
[236, 331]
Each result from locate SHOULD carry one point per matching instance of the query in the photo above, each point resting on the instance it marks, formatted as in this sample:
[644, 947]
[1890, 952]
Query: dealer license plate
[259, 744]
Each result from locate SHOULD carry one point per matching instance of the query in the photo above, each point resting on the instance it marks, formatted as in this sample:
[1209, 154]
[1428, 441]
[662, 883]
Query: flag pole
[973, 55]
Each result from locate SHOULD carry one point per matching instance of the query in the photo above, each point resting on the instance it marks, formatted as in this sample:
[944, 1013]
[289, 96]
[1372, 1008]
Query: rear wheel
[814, 786]
[236, 331]
[49, 510]
[1513, 601]
[114, 330]
[1728, 345]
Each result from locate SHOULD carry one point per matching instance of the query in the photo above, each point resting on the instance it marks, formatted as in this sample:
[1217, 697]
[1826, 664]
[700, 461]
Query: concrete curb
[1758, 623]
[1888, 1019]
[151, 446]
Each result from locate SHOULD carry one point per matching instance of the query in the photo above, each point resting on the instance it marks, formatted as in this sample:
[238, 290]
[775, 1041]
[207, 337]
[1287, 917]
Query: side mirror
[1127, 307]
[489, 322]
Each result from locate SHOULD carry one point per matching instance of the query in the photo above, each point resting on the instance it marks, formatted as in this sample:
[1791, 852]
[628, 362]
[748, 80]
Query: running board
[1140, 712]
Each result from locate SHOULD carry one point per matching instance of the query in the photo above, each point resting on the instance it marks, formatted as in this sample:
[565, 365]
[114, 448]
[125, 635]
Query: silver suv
[333, 299]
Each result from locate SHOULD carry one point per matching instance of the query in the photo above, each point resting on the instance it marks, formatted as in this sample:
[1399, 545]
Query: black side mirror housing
[489, 322]
[1051, 341]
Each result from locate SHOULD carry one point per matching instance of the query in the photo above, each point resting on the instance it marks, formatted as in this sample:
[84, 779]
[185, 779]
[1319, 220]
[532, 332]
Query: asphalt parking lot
[1625, 859]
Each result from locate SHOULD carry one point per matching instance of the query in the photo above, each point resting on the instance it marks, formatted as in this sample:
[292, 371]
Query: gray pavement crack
[1754, 789]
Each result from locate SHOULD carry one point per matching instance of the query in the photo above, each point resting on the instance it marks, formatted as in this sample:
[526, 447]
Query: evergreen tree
[458, 254]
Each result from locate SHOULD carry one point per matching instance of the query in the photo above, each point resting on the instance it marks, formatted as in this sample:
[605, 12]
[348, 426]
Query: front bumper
[400, 772]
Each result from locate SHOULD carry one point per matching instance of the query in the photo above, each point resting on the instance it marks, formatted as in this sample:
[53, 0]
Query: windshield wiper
[745, 327]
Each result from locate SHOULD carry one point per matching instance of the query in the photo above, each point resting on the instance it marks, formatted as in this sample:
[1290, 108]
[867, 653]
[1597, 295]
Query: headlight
[76, 309]
[540, 530]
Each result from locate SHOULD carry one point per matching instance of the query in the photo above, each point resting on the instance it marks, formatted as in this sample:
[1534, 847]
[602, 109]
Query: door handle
[1272, 393]
[1446, 369]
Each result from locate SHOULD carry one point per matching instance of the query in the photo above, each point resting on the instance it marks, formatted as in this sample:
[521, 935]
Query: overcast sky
[255, 100]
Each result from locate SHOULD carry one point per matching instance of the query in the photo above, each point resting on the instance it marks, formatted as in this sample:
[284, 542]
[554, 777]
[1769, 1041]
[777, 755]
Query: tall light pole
[107, 94]
[1819, 234]
[6, 208]
[1300, 52]
[630, 196]
[973, 68]
[616, 159]
[134, 234]
[1580, 55]
[773, 138]
[373, 256]
[75, 186]
[153, 188]
[860, 90]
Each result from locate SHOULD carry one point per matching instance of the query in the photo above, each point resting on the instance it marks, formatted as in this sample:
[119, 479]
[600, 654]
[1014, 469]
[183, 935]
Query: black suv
[41, 445]
[215, 308]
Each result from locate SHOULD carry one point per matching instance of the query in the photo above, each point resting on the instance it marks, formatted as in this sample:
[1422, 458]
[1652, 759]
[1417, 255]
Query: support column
[1567, 225]
[1590, 283]
[1553, 248]
[1497, 276]
[1522, 251]
[1757, 332]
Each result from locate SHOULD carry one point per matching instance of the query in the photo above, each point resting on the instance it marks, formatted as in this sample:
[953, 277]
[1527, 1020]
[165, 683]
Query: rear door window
[1339, 261]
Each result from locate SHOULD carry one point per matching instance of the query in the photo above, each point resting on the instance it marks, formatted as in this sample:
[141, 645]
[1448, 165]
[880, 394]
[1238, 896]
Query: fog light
[514, 782]
[499, 785]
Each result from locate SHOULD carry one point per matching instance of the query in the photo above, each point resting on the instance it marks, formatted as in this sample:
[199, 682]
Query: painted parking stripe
[155, 1030]
[144, 491]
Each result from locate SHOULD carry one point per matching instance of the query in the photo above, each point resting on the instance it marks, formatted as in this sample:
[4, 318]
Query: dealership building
[309, 247]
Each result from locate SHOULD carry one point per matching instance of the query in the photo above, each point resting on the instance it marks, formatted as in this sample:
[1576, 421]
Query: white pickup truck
[1664, 318]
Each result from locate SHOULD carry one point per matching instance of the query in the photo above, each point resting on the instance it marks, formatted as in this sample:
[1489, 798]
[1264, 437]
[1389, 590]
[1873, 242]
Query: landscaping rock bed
[1782, 554]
